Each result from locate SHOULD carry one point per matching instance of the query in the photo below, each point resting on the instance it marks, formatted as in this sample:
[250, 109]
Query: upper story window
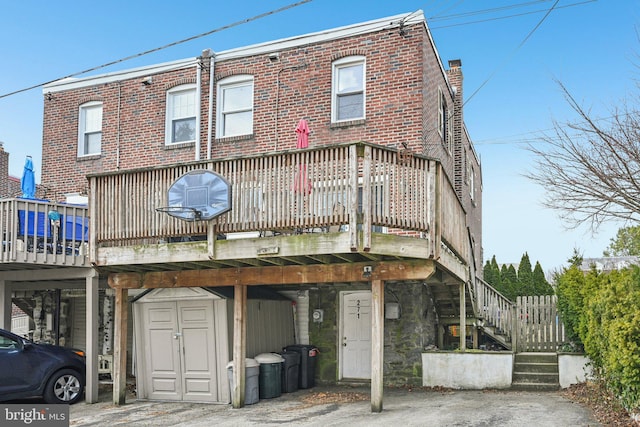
[443, 119]
[90, 129]
[348, 89]
[235, 106]
[181, 114]
[472, 183]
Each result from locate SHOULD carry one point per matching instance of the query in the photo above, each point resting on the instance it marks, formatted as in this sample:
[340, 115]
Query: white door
[199, 379]
[180, 351]
[355, 336]
[162, 351]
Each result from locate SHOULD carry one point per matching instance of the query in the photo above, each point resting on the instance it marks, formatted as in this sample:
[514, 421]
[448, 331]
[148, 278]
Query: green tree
[569, 285]
[509, 281]
[492, 273]
[525, 276]
[626, 242]
[576, 259]
[539, 281]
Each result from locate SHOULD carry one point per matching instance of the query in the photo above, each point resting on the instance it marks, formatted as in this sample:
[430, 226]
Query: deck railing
[42, 232]
[494, 309]
[357, 187]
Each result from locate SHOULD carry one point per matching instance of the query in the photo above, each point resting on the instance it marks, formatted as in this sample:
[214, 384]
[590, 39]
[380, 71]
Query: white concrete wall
[467, 370]
[573, 369]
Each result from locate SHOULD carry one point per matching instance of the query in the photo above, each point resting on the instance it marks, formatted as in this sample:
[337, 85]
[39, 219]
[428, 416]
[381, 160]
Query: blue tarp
[28, 181]
[69, 225]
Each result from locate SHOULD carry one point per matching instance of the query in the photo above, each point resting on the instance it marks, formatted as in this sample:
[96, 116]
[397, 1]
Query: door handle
[177, 335]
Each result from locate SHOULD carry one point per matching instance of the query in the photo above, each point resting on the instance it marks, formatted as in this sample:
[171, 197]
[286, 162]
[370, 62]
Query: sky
[513, 54]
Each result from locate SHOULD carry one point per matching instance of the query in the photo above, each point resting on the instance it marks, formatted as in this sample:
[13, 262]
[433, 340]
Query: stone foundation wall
[405, 337]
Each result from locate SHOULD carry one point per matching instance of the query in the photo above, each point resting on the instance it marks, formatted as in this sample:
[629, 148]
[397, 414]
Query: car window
[8, 343]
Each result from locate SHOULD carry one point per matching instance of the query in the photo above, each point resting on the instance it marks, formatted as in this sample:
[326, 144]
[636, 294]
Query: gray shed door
[179, 346]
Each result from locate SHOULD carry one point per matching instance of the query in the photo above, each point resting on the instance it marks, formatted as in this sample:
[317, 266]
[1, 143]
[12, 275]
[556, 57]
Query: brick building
[9, 185]
[387, 142]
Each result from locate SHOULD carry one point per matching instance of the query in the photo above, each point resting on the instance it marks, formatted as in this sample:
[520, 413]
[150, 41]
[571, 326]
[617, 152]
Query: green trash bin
[270, 380]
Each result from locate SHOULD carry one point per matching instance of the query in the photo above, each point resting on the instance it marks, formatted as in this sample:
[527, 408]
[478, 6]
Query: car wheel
[65, 386]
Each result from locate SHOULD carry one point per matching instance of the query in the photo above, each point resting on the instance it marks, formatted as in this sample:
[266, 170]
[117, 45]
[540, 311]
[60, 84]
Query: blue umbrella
[28, 181]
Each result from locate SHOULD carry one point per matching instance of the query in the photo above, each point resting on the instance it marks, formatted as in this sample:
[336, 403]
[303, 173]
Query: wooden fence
[538, 324]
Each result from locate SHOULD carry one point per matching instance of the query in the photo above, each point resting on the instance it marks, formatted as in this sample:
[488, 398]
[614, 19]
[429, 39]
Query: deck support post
[91, 383]
[463, 317]
[5, 305]
[239, 345]
[120, 347]
[377, 344]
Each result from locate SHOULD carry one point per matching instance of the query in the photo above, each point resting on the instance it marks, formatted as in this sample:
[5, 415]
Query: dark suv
[28, 369]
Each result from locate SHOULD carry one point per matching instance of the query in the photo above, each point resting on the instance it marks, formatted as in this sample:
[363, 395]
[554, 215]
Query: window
[472, 183]
[235, 106]
[348, 89]
[181, 114]
[444, 121]
[90, 129]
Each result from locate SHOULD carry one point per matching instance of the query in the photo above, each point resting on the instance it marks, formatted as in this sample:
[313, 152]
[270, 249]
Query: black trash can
[270, 375]
[290, 371]
[308, 355]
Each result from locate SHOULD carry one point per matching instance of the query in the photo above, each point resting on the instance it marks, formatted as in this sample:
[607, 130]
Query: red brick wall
[4, 173]
[403, 82]
[400, 99]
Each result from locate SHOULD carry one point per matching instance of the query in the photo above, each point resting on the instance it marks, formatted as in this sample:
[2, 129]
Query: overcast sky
[512, 53]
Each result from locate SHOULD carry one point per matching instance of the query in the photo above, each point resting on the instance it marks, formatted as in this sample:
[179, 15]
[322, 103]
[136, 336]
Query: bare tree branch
[591, 169]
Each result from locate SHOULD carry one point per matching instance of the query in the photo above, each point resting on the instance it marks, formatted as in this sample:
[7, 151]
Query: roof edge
[395, 21]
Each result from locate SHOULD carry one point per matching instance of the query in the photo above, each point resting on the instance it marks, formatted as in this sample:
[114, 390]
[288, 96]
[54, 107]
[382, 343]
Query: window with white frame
[90, 129]
[472, 183]
[181, 114]
[348, 94]
[235, 106]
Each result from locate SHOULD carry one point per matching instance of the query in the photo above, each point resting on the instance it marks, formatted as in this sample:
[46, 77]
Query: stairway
[535, 372]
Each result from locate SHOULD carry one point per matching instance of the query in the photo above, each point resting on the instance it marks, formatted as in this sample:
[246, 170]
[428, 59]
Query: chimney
[4, 172]
[454, 75]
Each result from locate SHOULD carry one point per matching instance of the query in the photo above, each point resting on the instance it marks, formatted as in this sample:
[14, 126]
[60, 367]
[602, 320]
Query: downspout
[118, 126]
[198, 100]
[212, 65]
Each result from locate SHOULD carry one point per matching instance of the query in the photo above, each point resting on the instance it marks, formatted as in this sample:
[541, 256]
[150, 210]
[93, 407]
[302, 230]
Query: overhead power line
[527, 37]
[137, 55]
[531, 12]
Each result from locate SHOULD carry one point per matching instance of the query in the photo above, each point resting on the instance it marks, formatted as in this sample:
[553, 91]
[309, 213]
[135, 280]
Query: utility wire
[508, 16]
[483, 11]
[528, 36]
[137, 55]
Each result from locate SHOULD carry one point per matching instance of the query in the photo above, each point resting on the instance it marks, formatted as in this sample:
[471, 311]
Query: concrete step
[535, 377]
[536, 358]
[535, 372]
[523, 386]
[542, 368]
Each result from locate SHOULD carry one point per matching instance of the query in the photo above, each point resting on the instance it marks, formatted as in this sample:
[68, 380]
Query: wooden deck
[38, 234]
[363, 203]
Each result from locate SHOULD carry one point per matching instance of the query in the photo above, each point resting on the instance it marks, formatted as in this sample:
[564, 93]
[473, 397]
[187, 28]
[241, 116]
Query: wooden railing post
[366, 198]
[353, 199]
